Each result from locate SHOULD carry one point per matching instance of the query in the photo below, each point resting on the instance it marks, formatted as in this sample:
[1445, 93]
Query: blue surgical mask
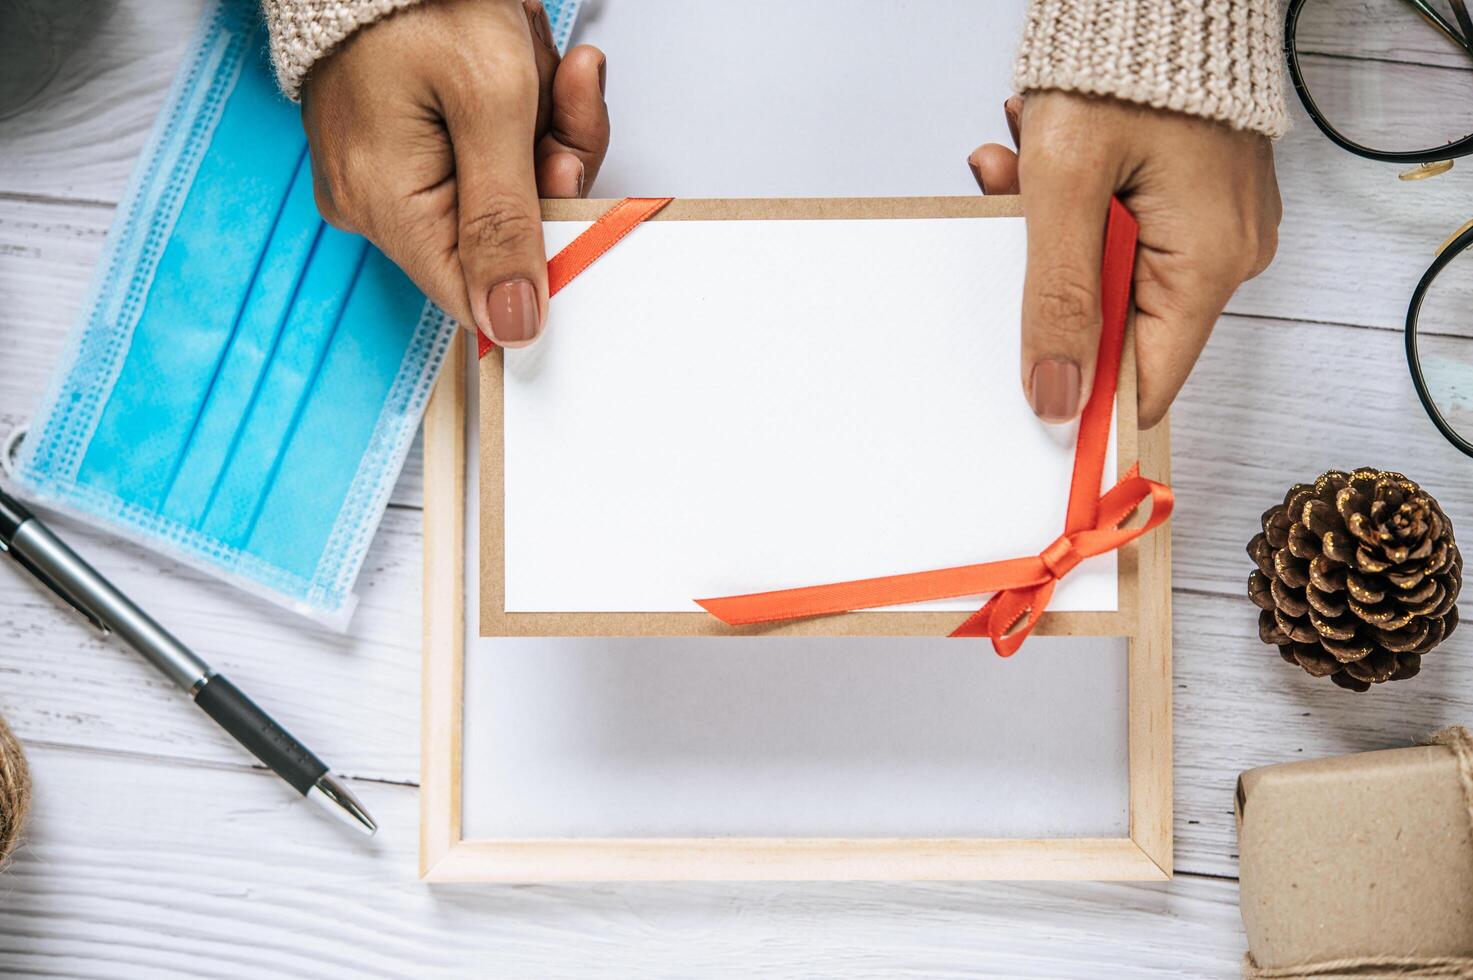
[245, 380]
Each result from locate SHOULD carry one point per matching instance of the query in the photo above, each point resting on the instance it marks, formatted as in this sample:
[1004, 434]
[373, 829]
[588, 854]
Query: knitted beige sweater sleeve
[302, 31]
[1218, 59]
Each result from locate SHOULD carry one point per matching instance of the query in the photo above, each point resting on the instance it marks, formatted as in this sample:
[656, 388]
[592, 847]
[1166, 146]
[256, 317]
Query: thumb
[1061, 291]
[571, 151]
[499, 219]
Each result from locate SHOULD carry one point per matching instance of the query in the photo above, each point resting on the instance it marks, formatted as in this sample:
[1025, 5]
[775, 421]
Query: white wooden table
[155, 848]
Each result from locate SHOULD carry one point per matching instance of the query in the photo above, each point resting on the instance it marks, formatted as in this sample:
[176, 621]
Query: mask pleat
[238, 432]
[307, 331]
[303, 401]
[236, 381]
[340, 419]
[198, 288]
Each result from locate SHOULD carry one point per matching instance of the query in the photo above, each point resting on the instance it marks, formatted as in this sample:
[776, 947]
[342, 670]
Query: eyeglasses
[1392, 80]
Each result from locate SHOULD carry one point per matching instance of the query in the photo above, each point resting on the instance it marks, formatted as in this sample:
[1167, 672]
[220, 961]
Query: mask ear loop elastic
[8, 450]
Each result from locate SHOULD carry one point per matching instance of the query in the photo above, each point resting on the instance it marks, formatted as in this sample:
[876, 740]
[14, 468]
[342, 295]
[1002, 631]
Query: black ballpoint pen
[36, 549]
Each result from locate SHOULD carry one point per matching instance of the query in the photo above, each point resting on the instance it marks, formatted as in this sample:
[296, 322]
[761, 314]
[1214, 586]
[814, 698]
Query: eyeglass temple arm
[1463, 40]
[1464, 21]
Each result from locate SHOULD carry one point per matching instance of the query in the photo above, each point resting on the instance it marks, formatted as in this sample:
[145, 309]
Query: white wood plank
[1238, 705]
[166, 870]
[1354, 239]
[1390, 30]
[1272, 404]
[113, 64]
[46, 258]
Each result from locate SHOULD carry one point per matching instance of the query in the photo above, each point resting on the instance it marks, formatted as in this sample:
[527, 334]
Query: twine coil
[1460, 742]
[15, 792]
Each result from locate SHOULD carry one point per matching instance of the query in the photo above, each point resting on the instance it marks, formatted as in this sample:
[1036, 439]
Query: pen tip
[333, 795]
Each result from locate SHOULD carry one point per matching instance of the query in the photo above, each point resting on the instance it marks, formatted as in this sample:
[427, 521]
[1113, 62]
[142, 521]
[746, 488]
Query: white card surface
[723, 407]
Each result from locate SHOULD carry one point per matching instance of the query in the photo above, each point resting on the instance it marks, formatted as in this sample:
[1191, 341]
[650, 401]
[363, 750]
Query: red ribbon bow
[1003, 611]
[1022, 587]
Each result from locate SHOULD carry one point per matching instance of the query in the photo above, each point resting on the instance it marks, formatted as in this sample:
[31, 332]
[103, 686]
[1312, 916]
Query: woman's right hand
[1208, 205]
[434, 131]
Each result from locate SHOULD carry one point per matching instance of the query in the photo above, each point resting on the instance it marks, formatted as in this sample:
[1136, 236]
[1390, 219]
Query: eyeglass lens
[1445, 343]
[1384, 75]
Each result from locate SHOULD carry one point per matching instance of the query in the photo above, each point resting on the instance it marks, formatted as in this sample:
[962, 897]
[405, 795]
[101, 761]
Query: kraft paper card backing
[495, 620]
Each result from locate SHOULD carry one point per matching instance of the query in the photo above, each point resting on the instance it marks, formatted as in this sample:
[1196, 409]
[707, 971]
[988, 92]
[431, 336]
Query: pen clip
[57, 588]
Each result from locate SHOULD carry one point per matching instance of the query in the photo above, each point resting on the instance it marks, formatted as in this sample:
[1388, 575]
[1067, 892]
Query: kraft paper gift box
[1361, 859]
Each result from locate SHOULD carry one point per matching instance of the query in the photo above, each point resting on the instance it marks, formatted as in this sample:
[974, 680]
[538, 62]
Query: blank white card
[722, 407]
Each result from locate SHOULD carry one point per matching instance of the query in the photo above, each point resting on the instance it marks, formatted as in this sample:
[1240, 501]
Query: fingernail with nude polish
[543, 27]
[511, 309]
[977, 174]
[1055, 390]
[603, 76]
[1011, 109]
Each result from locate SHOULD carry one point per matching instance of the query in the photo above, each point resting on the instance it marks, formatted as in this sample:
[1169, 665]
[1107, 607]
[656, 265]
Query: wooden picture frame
[1143, 617]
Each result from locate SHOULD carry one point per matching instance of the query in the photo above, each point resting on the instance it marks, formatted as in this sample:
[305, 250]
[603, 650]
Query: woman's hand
[432, 133]
[1208, 206]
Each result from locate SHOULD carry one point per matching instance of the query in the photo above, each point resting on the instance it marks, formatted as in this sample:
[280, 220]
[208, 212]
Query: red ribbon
[1022, 587]
[584, 250]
